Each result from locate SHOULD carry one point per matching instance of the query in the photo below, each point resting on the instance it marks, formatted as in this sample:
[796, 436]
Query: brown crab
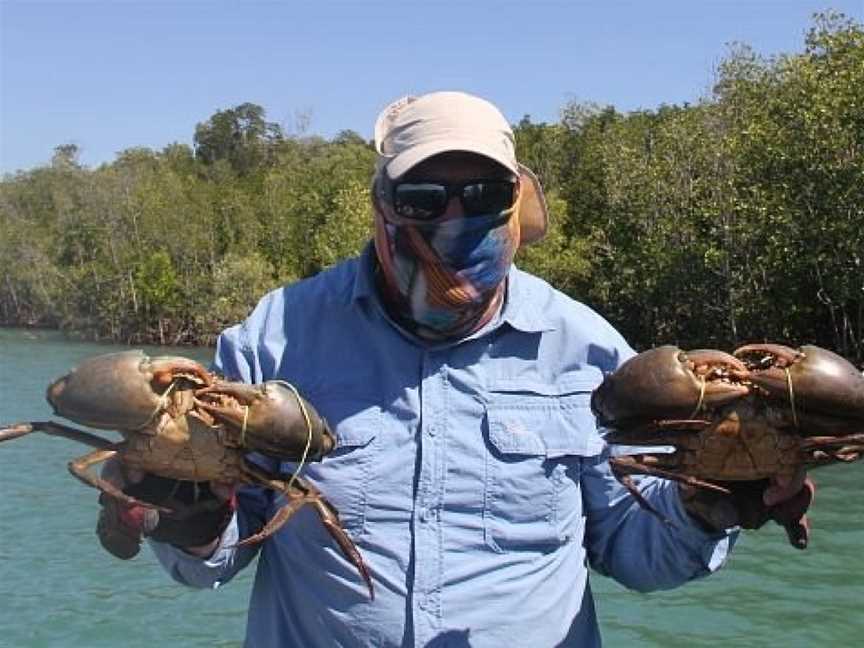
[182, 422]
[766, 411]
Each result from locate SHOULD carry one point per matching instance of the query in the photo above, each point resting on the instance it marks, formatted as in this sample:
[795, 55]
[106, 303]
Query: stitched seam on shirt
[248, 351]
[364, 487]
[369, 451]
[442, 455]
[556, 494]
[489, 487]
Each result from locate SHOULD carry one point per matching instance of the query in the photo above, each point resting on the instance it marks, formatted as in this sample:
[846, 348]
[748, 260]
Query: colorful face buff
[445, 280]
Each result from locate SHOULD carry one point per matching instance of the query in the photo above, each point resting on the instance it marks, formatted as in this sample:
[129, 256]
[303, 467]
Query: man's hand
[753, 503]
[200, 511]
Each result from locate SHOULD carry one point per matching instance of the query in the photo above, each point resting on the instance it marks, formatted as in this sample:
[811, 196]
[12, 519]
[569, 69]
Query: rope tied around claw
[791, 397]
[163, 401]
[308, 421]
[701, 397]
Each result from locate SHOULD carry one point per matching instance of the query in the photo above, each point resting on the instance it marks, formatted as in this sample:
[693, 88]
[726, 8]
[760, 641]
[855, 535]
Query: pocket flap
[553, 430]
[582, 381]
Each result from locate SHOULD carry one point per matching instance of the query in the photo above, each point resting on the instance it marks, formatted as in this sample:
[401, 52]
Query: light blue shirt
[471, 476]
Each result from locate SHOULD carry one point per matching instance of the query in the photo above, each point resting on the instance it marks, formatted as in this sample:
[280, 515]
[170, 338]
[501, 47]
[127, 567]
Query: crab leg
[79, 468]
[54, 429]
[623, 467]
[829, 449]
[642, 465]
[300, 494]
[647, 434]
[822, 442]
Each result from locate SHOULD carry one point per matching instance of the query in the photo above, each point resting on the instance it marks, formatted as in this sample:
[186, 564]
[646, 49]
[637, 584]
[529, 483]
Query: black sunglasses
[425, 201]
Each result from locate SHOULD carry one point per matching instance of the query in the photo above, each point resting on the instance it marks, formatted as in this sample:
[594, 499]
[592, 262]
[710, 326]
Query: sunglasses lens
[487, 197]
[422, 201]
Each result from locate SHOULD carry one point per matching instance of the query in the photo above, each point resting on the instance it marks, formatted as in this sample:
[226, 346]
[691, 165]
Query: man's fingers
[133, 475]
[791, 514]
[223, 490]
[784, 488]
[117, 538]
[799, 532]
[793, 508]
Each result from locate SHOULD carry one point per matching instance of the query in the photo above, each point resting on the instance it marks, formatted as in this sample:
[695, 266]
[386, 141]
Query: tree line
[737, 218]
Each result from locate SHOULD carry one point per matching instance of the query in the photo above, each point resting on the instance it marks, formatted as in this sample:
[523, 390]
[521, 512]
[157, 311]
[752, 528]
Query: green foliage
[156, 283]
[239, 136]
[346, 228]
[237, 282]
[738, 218]
[564, 261]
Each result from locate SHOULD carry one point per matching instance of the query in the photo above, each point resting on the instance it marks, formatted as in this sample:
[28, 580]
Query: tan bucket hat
[412, 129]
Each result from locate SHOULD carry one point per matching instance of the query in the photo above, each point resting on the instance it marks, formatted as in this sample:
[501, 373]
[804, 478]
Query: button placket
[427, 537]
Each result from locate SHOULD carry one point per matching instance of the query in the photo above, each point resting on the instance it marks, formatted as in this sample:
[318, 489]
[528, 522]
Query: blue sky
[113, 74]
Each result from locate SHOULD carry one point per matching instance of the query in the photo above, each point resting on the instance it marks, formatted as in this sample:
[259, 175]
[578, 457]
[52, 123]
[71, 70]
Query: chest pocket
[537, 435]
[343, 476]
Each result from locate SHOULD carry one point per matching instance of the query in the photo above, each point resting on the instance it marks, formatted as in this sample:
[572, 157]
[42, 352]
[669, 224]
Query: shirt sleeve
[228, 559]
[637, 548]
[234, 358]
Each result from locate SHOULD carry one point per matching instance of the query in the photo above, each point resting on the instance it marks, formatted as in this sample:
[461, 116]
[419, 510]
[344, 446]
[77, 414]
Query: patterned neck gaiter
[445, 280]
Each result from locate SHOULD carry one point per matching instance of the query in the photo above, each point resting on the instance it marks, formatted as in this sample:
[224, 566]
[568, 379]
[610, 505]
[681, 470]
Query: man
[468, 468]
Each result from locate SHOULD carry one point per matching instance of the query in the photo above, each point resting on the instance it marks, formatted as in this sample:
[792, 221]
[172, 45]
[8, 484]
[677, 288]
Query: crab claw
[271, 418]
[120, 391]
[666, 382]
[810, 378]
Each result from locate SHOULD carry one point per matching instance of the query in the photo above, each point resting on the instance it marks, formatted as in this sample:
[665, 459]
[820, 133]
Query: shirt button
[432, 430]
[427, 513]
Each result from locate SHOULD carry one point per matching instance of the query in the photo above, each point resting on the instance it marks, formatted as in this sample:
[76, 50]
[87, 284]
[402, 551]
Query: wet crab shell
[662, 383]
[120, 391]
[271, 418]
[810, 378]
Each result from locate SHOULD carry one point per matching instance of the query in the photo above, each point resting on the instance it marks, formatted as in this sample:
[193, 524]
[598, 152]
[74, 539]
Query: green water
[59, 588]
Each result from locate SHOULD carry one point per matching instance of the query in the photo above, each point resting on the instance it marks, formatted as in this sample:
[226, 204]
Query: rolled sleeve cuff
[713, 547]
[207, 573]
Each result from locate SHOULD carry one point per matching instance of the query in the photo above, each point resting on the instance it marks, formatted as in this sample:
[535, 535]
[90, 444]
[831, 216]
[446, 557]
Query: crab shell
[120, 391]
[153, 398]
[666, 382]
[744, 440]
[183, 446]
[810, 378]
[271, 417]
[768, 411]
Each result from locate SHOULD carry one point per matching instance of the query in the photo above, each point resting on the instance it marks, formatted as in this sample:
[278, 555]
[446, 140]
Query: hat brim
[402, 163]
[533, 213]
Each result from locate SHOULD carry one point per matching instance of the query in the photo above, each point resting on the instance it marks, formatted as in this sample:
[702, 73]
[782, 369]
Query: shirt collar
[364, 281]
[521, 310]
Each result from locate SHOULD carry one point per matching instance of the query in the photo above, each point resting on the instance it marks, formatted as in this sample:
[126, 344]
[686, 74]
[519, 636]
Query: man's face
[446, 232]
[455, 167]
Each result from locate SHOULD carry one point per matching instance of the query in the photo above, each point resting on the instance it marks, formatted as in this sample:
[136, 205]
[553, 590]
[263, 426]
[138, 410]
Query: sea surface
[58, 587]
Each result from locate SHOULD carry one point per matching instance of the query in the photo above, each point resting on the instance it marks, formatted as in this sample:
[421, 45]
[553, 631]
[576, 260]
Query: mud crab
[767, 410]
[182, 422]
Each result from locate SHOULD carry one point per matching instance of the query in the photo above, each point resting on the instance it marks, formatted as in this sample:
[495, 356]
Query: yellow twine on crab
[701, 398]
[243, 427]
[308, 431]
[163, 401]
[791, 396]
